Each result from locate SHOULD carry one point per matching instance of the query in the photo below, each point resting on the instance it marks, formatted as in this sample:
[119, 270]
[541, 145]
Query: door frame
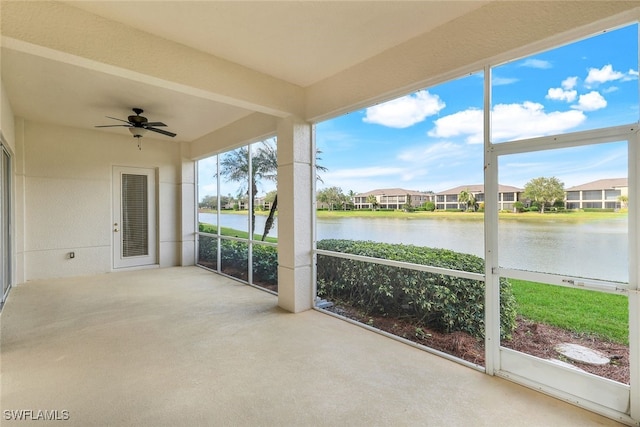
[118, 261]
[6, 224]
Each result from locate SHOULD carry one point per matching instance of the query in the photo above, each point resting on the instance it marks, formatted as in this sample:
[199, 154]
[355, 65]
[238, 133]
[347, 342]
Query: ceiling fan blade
[164, 132]
[153, 124]
[120, 120]
[113, 126]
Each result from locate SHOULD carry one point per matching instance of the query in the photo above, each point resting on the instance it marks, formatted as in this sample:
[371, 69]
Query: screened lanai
[226, 76]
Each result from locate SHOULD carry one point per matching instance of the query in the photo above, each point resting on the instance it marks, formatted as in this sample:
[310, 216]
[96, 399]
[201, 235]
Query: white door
[134, 217]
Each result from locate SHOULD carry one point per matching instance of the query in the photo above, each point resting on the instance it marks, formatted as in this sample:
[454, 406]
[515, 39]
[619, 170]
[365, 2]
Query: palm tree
[351, 195]
[624, 201]
[371, 199]
[234, 166]
[468, 199]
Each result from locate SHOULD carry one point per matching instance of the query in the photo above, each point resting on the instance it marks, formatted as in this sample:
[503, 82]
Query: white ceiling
[299, 42]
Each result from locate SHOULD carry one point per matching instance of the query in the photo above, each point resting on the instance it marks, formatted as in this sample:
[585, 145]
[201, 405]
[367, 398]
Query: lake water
[595, 249]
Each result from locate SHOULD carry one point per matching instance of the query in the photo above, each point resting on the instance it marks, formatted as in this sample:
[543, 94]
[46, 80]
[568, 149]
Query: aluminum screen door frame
[134, 225]
[6, 209]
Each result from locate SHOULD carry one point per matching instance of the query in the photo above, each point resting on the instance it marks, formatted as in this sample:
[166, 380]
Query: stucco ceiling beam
[252, 128]
[108, 46]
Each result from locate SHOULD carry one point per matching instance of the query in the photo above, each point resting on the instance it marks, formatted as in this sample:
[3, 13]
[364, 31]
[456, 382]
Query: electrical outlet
[72, 255]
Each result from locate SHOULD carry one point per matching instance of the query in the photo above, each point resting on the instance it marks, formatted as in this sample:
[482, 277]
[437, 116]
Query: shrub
[208, 251]
[443, 302]
[265, 264]
[234, 255]
[518, 206]
[429, 206]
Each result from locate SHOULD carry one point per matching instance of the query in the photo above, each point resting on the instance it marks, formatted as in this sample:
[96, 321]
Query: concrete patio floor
[186, 347]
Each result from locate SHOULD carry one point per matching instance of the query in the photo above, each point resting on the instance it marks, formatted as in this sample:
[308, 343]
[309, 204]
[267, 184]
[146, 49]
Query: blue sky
[432, 139]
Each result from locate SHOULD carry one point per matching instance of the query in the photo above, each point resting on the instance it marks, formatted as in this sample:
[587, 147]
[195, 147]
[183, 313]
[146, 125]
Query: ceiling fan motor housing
[137, 120]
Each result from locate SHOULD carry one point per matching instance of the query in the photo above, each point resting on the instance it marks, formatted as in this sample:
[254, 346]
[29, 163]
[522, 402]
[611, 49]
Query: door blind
[135, 215]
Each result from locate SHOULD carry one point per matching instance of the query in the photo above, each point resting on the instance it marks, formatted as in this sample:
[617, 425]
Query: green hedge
[265, 264]
[234, 255]
[443, 302]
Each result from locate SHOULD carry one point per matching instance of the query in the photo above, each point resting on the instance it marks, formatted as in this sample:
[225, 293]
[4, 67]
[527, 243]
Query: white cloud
[433, 153]
[406, 111]
[207, 190]
[529, 120]
[559, 94]
[502, 81]
[602, 75]
[631, 75]
[361, 179]
[509, 122]
[536, 63]
[590, 102]
[569, 83]
[610, 89]
[465, 122]
[367, 172]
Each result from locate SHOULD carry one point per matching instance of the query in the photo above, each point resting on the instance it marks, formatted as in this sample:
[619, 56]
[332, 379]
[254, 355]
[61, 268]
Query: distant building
[261, 203]
[600, 194]
[392, 198]
[507, 196]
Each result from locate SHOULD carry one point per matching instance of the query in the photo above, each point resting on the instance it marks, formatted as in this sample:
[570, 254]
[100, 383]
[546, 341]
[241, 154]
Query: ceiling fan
[139, 125]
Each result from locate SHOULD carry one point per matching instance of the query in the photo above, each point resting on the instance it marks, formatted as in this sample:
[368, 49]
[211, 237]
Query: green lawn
[582, 311]
[226, 231]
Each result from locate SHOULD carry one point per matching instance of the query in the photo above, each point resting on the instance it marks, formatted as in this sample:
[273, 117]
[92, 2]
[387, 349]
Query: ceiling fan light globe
[137, 132]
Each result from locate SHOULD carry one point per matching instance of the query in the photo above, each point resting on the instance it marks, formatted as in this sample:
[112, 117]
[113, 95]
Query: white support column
[295, 227]
[188, 210]
[634, 275]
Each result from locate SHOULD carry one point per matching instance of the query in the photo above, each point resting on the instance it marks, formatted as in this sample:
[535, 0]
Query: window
[383, 150]
[592, 205]
[236, 190]
[612, 205]
[592, 195]
[612, 194]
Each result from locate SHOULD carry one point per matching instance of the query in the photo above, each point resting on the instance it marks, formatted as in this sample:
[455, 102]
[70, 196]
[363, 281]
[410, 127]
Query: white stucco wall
[68, 198]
